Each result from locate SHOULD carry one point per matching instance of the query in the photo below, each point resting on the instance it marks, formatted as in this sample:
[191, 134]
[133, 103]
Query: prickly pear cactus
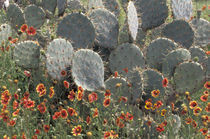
[15, 16]
[201, 28]
[81, 31]
[34, 15]
[157, 50]
[75, 5]
[133, 22]
[113, 6]
[197, 52]
[5, 32]
[49, 5]
[88, 70]
[59, 56]
[173, 59]
[153, 13]
[106, 26]
[141, 36]
[26, 54]
[94, 4]
[126, 57]
[61, 4]
[188, 76]
[182, 9]
[121, 90]
[152, 80]
[207, 68]
[180, 31]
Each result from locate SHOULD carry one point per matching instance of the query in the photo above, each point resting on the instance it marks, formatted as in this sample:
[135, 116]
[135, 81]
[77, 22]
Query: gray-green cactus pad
[94, 4]
[34, 15]
[133, 22]
[15, 16]
[202, 31]
[61, 4]
[207, 68]
[182, 9]
[152, 80]
[49, 5]
[113, 6]
[106, 26]
[141, 36]
[157, 51]
[77, 28]
[59, 56]
[153, 13]
[75, 5]
[88, 70]
[27, 54]
[126, 56]
[173, 59]
[198, 52]
[5, 32]
[123, 90]
[188, 76]
[180, 31]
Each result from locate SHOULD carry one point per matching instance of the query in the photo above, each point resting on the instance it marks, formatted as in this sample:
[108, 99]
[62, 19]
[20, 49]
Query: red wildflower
[56, 115]
[107, 93]
[148, 105]
[5, 97]
[71, 111]
[29, 104]
[193, 104]
[12, 122]
[204, 98]
[207, 107]
[52, 92]
[95, 96]
[194, 124]
[46, 128]
[95, 114]
[90, 98]
[80, 89]
[37, 131]
[155, 93]
[88, 120]
[165, 82]
[79, 95]
[188, 120]
[16, 96]
[203, 8]
[71, 95]
[129, 116]
[115, 74]
[34, 137]
[15, 104]
[15, 113]
[63, 73]
[66, 84]
[106, 102]
[27, 73]
[124, 99]
[107, 134]
[159, 128]
[23, 28]
[126, 70]
[77, 130]
[31, 31]
[41, 89]
[207, 85]
[64, 113]
[206, 92]
[204, 131]
[42, 108]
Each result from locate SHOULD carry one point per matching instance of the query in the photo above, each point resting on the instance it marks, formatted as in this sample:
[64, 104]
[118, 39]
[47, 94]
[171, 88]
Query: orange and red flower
[66, 84]
[194, 124]
[165, 82]
[107, 134]
[15, 104]
[46, 128]
[204, 98]
[77, 130]
[155, 93]
[79, 95]
[115, 74]
[107, 93]
[71, 111]
[23, 28]
[207, 85]
[163, 112]
[124, 99]
[107, 102]
[148, 105]
[52, 92]
[56, 115]
[31, 31]
[41, 89]
[188, 120]
[129, 116]
[95, 113]
[159, 128]
[63, 73]
[88, 120]
[71, 95]
[42, 108]
[193, 104]
[5, 97]
[204, 131]
[64, 113]
[207, 107]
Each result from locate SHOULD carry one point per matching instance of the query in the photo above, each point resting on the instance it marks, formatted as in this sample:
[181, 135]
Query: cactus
[207, 68]
[188, 76]
[157, 50]
[94, 4]
[182, 9]
[173, 59]
[61, 4]
[201, 28]
[180, 31]
[106, 26]
[15, 16]
[133, 22]
[75, 5]
[49, 5]
[126, 56]
[153, 13]
[5, 32]
[59, 56]
[81, 31]
[152, 80]
[113, 6]
[88, 70]
[198, 52]
[26, 54]
[122, 90]
[34, 16]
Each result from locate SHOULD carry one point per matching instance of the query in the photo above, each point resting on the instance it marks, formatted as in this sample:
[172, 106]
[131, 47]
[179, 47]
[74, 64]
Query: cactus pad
[49, 5]
[180, 31]
[88, 70]
[15, 16]
[5, 32]
[188, 76]
[26, 54]
[133, 22]
[59, 56]
[182, 9]
[113, 6]
[34, 15]
[126, 56]
[198, 52]
[61, 4]
[94, 4]
[77, 28]
[173, 59]
[106, 26]
[157, 51]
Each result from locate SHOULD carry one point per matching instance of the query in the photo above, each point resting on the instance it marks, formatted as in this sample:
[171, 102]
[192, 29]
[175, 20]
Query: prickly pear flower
[165, 82]
[31, 31]
[23, 28]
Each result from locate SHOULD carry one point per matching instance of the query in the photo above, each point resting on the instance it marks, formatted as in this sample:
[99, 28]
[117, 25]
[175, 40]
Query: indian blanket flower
[27, 73]
[163, 112]
[207, 85]
[148, 105]
[188, 120]
[5, 97]
[207, 109]
[107, 134]
[41, 89]
[12, 122]
[206, 92]
[115, 74]
[203, 8]
[71, 95]
[194, 124]
[31, 31]
[71, 111]
[29, 104]
[79, 95]
[56, 115]
[129, 116]
[155, 93]
[126, 70]
[193, 104]
[80, 89]
[88, 120]
[107, 93]
[165, 82]
[204, 131]
[124, 99]
[52, 92]
[64, 113]
[77, 130]
[95, 113]
[42, 108]
[23, 28]
[184, 110]
[46, 128]
[197, 111]
[15, 105]
[159, 128]
[91, 98]
[95, 96]
[15, 113]
[66, 84]
[159, 104]
[204, 98]
[107, 102]
[37, 131]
